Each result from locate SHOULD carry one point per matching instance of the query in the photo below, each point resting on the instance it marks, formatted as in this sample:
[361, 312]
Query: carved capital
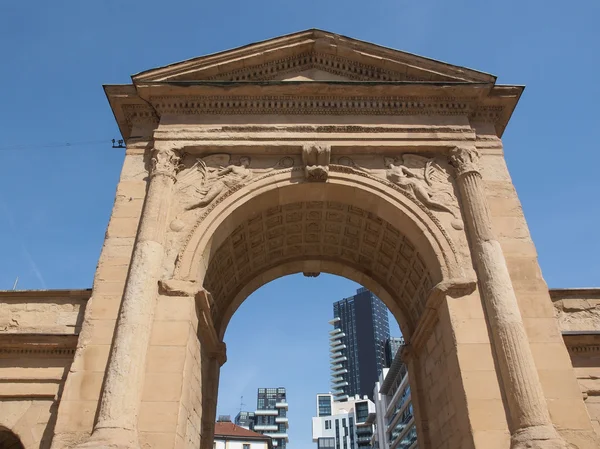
[316, 159]
[165, 162]
[465, 160]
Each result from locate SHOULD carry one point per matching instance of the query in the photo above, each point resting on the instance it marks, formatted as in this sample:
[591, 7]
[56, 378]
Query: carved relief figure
[215, 181]
[212, 175]
[419, 182]
[425, 178]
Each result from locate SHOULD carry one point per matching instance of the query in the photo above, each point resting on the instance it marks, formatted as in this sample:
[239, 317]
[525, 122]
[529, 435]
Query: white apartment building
[231, 436]
[343, 425]
[394, 418]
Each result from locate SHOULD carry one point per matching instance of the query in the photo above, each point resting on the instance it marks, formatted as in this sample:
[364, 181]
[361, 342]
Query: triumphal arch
[317, 153]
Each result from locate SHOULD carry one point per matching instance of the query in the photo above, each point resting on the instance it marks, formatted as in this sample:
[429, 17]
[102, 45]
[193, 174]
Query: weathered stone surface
[225, 188]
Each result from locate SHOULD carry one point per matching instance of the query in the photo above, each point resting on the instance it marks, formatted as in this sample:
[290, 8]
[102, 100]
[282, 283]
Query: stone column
[116, 425]
[528, 416]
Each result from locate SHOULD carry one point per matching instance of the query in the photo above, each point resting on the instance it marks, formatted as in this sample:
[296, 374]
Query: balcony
[335, 331]
[281, 419]
[266, 412]
[340, 396]
[337, 348]
[337, 336]
[277, 435]
[259, 427]
[339, 370]
[340, 383]
[341, 358]
[333, 321]
[281, 405]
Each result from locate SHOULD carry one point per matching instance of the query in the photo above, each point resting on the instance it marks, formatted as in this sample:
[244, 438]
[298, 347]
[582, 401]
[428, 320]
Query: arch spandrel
[211, 225]
[280, 193]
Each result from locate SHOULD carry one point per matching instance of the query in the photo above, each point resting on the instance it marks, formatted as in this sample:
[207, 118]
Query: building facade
[270, 417]
[392, 346]
[395, 426]
[343, 425]
[245, 419]
[231, 436]
[357, 344]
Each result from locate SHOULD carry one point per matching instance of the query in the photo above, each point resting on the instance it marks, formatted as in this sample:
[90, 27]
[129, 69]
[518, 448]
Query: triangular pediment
[313, 55]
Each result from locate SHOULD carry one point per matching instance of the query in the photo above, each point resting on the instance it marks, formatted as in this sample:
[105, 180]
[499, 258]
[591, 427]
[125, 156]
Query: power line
[113, 142]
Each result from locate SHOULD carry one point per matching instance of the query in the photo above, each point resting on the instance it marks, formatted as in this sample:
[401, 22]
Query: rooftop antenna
[15, 284]
[241, 403]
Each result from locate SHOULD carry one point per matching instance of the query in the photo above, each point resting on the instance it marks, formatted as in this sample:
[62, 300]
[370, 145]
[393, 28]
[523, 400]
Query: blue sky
[55, 200]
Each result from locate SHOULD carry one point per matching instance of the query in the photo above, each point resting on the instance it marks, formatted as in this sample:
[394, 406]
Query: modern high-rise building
[343, 425]
[245, 420]
[392, 345]
[270, 416]
[394, 417]
[357, 344]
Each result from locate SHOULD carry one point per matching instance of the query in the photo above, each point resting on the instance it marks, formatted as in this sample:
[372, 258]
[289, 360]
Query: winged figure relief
[212, 175]
[425, 178]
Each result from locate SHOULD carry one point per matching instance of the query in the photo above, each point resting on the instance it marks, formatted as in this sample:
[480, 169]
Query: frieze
[584, 348]
[491, 114]
[139, 114]
[38, 351]
[313, 105]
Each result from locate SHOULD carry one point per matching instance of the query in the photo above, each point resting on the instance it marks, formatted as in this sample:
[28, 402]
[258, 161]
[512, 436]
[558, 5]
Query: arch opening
[9, 440]
[313, 237]
[362, 231]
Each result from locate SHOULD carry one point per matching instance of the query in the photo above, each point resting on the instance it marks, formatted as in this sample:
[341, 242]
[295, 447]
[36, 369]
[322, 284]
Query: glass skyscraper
[357, 344]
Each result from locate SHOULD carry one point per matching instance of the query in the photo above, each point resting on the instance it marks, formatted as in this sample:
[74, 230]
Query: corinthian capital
[464, 159]
[164, 162]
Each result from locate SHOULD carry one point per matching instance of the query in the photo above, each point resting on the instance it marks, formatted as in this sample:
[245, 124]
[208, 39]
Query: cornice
[40, 295]
[58, 345]
[144, 104]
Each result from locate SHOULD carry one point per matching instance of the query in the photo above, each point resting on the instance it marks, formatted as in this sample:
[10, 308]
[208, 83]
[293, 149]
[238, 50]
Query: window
[326, 443]
[246, 446]
[327, 424]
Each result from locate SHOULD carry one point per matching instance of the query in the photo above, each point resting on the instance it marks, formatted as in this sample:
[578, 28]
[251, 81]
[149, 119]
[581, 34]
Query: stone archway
[325, 234]
[315, 152]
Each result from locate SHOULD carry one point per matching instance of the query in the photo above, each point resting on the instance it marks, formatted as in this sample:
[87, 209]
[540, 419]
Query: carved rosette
[465, 160]
[165, 162]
